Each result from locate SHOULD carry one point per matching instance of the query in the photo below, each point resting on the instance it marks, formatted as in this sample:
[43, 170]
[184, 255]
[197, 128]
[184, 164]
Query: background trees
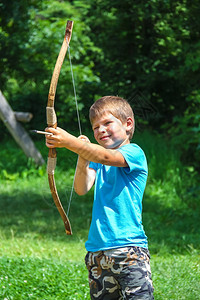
[147, 52]
[31, 36]
[151, 56]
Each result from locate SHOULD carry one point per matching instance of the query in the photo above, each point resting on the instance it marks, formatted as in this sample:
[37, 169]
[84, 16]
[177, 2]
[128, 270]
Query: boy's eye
[108, 122]
[104, 124]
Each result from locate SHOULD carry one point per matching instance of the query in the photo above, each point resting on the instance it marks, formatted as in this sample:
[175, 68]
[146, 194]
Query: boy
[118, 257]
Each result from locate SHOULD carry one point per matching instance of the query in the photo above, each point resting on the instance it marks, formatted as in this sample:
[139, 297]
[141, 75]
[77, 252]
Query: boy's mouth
[105, 137]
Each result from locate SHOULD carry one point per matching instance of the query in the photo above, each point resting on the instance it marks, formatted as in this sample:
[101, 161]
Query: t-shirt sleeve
[93, 165]
[134, 157]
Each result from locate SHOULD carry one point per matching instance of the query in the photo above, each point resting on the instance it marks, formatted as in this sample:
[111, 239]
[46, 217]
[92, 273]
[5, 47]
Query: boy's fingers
[51, 130]
[49, 145]
[84, 138]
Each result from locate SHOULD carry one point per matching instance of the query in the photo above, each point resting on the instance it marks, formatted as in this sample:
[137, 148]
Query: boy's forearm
[86, 150]
[83, 180]
[90, 151]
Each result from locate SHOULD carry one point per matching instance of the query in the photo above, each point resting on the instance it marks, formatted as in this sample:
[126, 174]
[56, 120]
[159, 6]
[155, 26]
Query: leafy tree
[31, 36]
[150, 55]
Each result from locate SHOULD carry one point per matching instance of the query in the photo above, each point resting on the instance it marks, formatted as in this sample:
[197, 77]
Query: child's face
[110, 132]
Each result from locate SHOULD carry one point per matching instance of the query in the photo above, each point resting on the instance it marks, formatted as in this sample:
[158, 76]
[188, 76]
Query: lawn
[39, 261]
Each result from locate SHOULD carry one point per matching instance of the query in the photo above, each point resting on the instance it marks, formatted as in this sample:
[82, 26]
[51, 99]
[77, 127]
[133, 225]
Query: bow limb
[52, 122]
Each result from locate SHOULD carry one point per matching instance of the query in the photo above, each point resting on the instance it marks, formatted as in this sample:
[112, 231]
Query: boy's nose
[102, 128]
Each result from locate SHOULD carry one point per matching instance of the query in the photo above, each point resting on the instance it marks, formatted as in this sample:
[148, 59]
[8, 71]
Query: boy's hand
[58, 139]
[84, 176]
[84, 138]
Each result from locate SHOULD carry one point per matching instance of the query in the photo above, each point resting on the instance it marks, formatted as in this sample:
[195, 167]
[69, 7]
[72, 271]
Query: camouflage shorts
[118, 274]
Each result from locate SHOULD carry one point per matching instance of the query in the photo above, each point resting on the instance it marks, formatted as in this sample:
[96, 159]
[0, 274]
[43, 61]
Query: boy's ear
[129, 123]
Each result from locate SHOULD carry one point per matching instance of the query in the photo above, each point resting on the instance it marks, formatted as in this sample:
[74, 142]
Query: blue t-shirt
[117, 208]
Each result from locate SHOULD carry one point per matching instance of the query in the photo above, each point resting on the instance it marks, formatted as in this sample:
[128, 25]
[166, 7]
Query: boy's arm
[84, 177]
[88, 151]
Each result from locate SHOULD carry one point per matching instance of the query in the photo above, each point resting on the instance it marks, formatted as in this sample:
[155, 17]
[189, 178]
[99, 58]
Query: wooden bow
[52, 122]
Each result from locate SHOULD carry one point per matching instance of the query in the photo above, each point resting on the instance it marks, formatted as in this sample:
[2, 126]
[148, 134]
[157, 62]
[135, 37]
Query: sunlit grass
[36, 278]
[176, 276]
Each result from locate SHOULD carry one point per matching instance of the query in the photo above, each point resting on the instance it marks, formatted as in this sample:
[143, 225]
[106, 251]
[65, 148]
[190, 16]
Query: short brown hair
[117, 106]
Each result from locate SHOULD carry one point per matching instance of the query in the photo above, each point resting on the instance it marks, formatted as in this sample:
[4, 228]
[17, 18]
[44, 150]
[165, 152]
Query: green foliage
[151, 49]
[14, 164]
[167, 170]
[35, 41]
[186, 132]
[171, 198]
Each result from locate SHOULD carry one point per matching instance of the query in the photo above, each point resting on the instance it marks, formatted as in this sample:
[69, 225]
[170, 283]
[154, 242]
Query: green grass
[38, 260]
[40, 278]
[176, 276]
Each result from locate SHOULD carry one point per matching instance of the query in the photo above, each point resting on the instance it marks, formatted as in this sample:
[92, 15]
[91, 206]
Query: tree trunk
[18, 132]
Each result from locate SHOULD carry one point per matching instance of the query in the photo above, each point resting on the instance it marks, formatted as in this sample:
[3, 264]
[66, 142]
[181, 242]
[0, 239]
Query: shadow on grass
[26, 212]
[33, 212]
